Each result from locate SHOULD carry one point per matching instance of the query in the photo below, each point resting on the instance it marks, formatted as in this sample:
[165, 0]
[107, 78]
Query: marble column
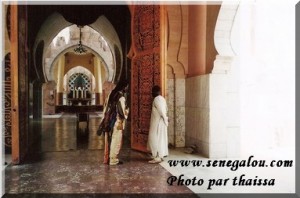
[98, 80]
[60, 80]
[197, 21]
[179, 112]
[212, 111]
[176, 111]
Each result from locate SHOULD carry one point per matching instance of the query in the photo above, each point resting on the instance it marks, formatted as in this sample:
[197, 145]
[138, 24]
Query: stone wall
[197, 113]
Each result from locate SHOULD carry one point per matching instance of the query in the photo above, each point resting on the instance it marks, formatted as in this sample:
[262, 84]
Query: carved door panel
[7, 105]
[147, 69]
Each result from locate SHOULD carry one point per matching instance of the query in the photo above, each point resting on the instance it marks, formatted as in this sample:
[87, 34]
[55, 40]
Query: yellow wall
[73, 60]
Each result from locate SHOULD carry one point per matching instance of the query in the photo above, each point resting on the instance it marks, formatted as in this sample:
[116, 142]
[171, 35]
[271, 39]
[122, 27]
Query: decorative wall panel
[7, 105]
[146, 27]
[145, 71]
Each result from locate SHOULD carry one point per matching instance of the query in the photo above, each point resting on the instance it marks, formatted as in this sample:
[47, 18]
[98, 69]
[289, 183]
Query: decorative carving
[146, 27]
[145, 70]
[7, 104]
[147, 76]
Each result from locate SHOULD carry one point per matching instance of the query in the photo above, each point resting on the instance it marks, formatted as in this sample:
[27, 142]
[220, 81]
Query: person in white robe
[158, 132]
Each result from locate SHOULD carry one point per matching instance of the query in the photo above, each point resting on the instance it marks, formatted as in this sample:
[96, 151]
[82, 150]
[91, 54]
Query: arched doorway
[140, 57]
[28, 21]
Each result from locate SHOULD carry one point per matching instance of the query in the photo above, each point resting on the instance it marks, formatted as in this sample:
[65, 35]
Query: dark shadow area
[82, 137]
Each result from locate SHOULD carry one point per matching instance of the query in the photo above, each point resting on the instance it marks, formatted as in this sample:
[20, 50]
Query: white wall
[197, 110]
[267, 76]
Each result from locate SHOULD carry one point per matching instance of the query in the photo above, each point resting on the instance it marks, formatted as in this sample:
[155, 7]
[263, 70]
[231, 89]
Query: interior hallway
[65, 164]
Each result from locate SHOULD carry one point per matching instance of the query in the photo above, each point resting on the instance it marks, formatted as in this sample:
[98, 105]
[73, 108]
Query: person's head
[119, 90]
[122, 86]
[155, 91]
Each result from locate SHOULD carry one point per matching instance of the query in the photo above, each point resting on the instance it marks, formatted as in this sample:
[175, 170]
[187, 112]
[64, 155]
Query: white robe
[158, 132]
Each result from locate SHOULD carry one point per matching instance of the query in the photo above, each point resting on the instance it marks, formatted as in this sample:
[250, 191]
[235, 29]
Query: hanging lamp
[80, 49]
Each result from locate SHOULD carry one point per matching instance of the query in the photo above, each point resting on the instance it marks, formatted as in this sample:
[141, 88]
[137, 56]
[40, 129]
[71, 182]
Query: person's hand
[167, 124]
[166, 121]
[127, 111]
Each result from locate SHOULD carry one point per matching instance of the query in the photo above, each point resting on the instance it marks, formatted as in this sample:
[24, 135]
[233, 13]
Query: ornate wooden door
[147, 67]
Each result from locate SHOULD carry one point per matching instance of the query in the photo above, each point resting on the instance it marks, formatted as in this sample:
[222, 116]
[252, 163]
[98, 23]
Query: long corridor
[67, 162]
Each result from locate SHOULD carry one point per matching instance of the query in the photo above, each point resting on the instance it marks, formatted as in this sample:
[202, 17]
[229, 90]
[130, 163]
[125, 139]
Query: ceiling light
[80, 49]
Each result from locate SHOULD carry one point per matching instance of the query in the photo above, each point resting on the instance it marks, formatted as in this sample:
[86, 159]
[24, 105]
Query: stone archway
[91, 41]
[102, 25]
[22, 44]
[224, 126]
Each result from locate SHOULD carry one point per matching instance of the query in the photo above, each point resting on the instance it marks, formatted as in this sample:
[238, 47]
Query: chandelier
[80, 49]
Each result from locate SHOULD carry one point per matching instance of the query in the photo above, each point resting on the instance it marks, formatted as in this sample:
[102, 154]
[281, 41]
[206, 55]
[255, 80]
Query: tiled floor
[71, 162]
[82, 171]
